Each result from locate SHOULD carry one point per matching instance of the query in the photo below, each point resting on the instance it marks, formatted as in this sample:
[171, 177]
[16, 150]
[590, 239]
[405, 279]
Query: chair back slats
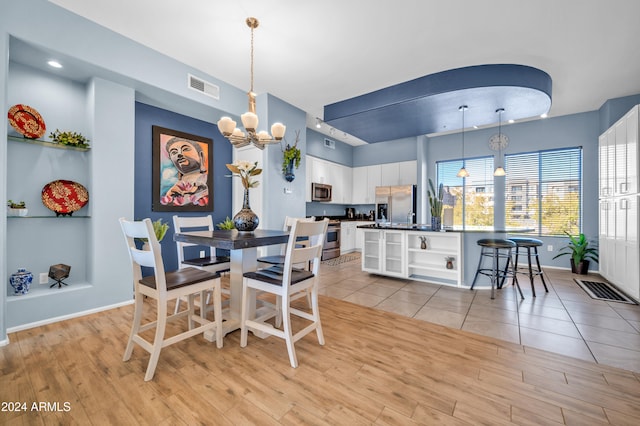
[315, 233]
[190, 223]
[152, 258]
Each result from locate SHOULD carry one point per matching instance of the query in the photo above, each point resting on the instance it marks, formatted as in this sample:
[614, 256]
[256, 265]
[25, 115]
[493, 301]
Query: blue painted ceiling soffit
[430, 104]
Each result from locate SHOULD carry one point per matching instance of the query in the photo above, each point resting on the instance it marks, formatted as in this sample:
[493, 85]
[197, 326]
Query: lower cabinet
[384, 252]
[347, 237]
[618, 244]
[434, 257]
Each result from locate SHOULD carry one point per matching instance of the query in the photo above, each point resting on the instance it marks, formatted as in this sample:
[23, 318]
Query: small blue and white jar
[21, 281]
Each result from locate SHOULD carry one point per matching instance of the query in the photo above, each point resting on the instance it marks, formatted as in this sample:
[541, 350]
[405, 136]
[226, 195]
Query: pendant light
[237, 137]
[499, 171]
[463, 173]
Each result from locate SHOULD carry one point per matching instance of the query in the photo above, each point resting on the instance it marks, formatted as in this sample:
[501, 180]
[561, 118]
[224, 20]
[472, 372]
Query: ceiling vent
[205, 87]
[328, 143]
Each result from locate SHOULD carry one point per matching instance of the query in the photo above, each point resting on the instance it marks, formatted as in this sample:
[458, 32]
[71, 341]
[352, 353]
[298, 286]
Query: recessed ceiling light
[543, 115]
[511, 121]
[54, 64]
[318, 123]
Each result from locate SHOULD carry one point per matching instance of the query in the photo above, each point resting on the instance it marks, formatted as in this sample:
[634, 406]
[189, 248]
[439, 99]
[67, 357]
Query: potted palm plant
[435, 202]
[580, 252]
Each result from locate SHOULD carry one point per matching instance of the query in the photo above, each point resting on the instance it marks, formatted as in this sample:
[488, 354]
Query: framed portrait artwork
[182, 171]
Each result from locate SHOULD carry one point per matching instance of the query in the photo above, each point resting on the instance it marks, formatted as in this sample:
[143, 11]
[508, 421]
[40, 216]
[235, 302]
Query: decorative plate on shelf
[27, 121]
[64, 197]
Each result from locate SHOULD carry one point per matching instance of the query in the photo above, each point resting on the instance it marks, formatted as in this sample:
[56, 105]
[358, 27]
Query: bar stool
[528, 244]
[491, 247]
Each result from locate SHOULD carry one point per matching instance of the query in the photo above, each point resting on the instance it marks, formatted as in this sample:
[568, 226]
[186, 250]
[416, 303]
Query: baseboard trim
[65, 317]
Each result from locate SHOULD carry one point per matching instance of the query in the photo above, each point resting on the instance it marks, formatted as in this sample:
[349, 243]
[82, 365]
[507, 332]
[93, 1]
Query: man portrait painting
[184, 171]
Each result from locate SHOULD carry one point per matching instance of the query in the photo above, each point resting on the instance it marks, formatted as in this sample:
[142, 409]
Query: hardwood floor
[376, 368]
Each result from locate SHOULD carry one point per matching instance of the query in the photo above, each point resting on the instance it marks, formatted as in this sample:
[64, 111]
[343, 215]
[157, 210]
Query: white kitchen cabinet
[347, 236]
[632, 134]
[618, 213]
[402, 173]
[359, 185]
[383, 252]
[408, 173]
[389, 174]
[374, 179]
[334, 174]
[360, 235]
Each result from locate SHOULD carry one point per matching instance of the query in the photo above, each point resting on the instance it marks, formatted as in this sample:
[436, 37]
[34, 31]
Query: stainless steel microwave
[320, 192]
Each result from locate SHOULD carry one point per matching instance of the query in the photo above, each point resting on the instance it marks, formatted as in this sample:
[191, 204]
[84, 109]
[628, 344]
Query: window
[549, 185]
[471, 198]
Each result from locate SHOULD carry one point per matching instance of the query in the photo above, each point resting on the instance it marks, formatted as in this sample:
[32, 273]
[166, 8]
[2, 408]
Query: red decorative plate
[27, 121]
[64, 196]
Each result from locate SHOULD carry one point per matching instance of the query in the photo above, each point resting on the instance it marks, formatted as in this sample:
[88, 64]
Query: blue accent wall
[148, 116]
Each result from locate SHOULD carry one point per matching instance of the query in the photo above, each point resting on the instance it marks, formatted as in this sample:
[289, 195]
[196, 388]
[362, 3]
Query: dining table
[243, 248]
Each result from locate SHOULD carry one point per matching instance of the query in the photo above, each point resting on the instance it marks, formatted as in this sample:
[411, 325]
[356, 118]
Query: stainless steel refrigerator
[396, 204]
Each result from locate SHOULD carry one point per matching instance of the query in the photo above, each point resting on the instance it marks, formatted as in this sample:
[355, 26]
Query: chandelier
[237, 137]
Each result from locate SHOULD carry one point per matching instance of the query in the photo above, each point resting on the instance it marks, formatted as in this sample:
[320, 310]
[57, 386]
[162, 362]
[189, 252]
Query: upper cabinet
[357, 185]
[402, 173]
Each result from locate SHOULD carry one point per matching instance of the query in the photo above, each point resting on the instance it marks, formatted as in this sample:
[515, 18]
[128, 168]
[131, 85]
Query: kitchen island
[415, 252]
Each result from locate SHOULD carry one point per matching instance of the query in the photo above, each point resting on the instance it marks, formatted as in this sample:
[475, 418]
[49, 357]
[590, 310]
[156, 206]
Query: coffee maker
[350, 212]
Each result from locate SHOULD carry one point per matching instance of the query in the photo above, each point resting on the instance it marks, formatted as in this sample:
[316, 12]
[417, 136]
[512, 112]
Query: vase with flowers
[245, 220]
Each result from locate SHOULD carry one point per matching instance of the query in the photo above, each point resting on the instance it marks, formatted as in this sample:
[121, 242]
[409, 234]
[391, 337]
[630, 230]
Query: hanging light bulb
[463, 173]
[499, 171]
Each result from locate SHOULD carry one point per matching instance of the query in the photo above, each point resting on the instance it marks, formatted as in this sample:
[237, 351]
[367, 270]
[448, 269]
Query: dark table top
[232, 239]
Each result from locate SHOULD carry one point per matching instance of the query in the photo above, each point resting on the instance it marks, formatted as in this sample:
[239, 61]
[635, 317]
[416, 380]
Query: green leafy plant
[291, 154]
[13, 205]
[226, 224]
[435, 199]
[579, 250]
[159, 228]
[69, 138]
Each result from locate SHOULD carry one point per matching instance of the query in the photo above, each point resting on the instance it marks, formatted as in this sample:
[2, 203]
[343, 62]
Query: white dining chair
[278, 259]
[285, 281]
[164, 287]
[211, 263]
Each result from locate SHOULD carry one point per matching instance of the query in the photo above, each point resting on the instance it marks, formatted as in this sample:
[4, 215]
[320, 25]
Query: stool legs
[497, 274]
[535, 249]
[531, 272]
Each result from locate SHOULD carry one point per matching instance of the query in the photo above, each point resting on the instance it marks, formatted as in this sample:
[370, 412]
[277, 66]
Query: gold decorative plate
[64, 196]
[27, 121]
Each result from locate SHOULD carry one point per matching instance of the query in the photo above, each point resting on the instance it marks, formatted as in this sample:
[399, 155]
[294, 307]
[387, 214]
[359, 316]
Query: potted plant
[69, 138]
[226, 224]
[435, 201]
[16, 208]
[160, 229]
[291, 156]
[580, 252]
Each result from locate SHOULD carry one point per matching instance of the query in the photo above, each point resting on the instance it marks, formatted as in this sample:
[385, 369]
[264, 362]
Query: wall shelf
[46, 143]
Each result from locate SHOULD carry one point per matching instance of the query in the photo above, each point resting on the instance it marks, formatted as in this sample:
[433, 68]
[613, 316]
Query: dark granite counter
[427, 228]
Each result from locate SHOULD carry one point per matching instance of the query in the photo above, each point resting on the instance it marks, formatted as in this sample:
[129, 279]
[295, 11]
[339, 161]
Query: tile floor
[565, 321]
